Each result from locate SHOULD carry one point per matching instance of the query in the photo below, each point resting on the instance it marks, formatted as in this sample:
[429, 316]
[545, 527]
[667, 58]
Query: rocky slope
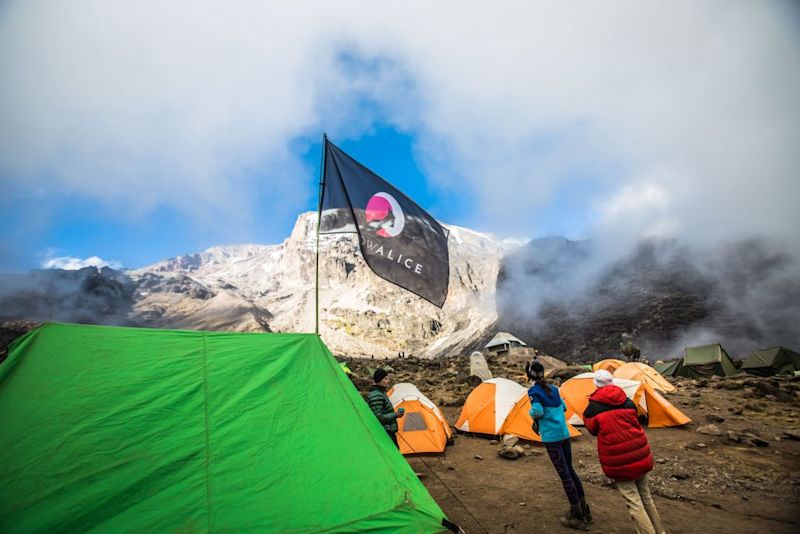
[271, 287]
[565, 298]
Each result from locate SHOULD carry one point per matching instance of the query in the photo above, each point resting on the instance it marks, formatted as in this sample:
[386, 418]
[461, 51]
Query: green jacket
[382, 407]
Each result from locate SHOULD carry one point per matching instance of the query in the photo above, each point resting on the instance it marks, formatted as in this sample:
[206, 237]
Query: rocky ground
[736, 468]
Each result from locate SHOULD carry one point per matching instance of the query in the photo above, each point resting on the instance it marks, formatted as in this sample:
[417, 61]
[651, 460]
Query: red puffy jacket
[621, 442]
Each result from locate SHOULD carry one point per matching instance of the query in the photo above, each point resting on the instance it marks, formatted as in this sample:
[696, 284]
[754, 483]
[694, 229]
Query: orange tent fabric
[500, 406]
[644, 373]
[422, 428]
[659, 411]
[609, 364]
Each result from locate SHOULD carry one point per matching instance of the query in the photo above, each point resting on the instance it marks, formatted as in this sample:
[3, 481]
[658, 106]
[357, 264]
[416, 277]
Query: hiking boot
[575, 518]
[587, 512]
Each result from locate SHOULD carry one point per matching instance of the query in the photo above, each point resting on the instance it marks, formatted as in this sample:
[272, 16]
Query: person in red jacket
[623, 449]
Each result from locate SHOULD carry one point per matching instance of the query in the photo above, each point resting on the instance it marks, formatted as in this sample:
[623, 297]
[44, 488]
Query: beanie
[603, 378]
[379, 375]
[534, 370]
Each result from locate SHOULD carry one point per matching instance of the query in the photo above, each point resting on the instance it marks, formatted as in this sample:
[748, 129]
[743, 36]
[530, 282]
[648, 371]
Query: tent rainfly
[705, 361]
[609, 364]
[644, 373]
[775, 360]
[111, 429]
[422, 428]
[659, 411]
[497, 407]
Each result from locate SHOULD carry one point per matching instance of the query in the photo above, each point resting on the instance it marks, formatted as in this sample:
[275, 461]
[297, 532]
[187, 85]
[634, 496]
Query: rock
[758, 442]
[694, 394]
[509, 453]
[714, 418]
[680, 473]
[509, 440]
[710, 430]
[527, 446]
[701, 445]
[478, 457]
[793, 434]
[494, 442]
[735, 437]
[753, 407]
[661, 460]
[518, 448]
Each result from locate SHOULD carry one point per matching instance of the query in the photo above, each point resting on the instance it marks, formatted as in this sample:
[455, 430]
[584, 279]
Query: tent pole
[319, 219]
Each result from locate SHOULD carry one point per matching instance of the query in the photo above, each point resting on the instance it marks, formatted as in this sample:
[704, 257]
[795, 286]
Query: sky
[135, 131]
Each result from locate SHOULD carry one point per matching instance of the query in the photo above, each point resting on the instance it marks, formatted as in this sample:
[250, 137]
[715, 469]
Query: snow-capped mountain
[272, 287]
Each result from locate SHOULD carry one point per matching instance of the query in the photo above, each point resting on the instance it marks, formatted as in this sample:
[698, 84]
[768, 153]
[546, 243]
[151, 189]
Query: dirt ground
[746, 479]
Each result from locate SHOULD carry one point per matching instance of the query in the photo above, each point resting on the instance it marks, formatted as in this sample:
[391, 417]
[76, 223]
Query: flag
[400, 242]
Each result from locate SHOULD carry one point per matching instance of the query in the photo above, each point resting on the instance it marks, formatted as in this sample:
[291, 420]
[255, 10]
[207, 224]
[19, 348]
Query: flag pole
[319, 220]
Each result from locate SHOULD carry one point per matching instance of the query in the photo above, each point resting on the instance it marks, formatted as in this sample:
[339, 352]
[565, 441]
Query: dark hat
[534, 370]
[379, 375]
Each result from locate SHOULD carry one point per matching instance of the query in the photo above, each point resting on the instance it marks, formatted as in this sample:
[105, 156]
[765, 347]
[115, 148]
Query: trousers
[641, 506]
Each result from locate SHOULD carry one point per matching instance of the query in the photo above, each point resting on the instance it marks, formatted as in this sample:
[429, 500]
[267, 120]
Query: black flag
[399, 241]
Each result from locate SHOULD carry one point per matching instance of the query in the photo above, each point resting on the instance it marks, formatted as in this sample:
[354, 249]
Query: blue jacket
[549, 411]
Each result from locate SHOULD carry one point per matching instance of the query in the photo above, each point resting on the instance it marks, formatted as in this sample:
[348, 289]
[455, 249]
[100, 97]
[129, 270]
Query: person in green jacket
[381, 406]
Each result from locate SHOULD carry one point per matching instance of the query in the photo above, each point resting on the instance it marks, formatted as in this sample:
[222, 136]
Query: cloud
[70, 263]
[513, 106]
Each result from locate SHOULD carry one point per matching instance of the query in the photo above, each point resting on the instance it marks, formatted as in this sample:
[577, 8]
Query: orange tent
[644, 373]
[609, 364]
[500, 406]
[659, 411]
[422, 428]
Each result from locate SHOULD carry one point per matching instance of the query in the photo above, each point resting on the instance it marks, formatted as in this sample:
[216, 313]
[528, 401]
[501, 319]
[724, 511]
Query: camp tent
[667, 368]
[422, 428]
[659, 411]
[775, 360]
[609, 364]
[644, 373]
[705, 361]
[500, 406]
[141, 430]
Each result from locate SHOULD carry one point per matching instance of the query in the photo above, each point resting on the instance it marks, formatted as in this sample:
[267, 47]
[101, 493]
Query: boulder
[509, 453]
[509, 440]
[710, 430]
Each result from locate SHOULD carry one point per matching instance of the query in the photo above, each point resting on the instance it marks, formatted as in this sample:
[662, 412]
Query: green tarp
[108, 429]
[704, 361]
[667, 368]
[770, 361]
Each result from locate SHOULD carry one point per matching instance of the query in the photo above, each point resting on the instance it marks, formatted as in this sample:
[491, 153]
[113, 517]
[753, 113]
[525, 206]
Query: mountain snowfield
[271, 287]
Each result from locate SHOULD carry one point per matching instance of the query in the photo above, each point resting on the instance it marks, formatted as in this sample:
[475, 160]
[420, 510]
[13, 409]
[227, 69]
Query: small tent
[500, 406]
[659, 411]
[609, 364]
[142, 430]
[776, 360]
[422, 428]
[644, 373]
[705, 361]
[503, 341]
[667, 368]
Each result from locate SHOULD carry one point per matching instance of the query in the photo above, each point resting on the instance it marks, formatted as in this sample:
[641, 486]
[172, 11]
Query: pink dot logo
[385, 215]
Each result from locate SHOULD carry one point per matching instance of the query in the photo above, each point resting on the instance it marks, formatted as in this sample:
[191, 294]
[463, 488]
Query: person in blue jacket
[547, 411]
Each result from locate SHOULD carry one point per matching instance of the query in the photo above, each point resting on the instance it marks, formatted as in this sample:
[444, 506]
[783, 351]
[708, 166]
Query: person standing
[623, 450]
[547, 411]
[381, 406]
